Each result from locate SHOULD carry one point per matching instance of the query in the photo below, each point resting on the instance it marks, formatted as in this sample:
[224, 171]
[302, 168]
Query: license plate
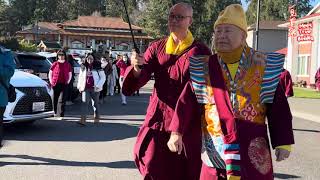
[38, 106]
[43, 75]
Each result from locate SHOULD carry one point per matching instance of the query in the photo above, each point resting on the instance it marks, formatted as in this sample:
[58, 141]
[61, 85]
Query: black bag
[11, 92]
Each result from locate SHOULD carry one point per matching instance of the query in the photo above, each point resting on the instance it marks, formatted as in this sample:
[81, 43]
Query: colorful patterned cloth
[252, 88]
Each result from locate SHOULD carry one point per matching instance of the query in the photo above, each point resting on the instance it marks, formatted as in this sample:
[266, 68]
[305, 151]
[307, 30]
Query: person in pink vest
[122, 65]
[60, 75]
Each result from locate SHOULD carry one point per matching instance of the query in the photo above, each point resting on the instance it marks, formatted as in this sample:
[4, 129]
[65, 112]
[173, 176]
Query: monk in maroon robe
[167, 59]
[317, 79]
[235, 91]
[286, 83]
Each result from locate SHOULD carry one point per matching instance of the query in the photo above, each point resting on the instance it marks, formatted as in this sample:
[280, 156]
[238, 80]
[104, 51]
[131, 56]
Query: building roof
[100, 22]
[103, 34]
[49, 25]
[315, 9]
[271, 25]
[88, 26]
[282, 51]
[43, 28]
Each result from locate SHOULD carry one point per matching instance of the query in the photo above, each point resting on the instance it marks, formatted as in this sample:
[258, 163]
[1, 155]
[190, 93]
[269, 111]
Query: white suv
[34, 99]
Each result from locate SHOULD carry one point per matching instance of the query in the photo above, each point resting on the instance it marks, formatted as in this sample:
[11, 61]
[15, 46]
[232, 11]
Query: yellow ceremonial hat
[233, 14]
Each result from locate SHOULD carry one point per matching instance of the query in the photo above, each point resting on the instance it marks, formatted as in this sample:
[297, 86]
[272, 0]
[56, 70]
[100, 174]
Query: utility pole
[257, 26]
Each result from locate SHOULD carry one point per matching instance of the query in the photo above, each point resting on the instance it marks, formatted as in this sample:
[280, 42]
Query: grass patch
[306, 93]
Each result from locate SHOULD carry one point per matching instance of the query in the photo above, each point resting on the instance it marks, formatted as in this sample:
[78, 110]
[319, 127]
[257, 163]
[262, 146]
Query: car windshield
[36, 63]
[52, 59]
[75, 63]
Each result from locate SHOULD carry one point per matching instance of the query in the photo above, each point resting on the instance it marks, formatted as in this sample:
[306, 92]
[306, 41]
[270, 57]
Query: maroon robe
[152, 156]
[278, 114]
[317, 79]
[286, 83]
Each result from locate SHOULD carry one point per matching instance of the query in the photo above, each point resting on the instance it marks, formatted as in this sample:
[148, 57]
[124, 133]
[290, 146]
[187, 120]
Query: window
[77, 44]
[303, 62]
[36, 63]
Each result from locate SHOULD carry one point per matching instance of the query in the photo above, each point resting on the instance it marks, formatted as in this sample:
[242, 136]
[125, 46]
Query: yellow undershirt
[232, 61]
[233, 69]
[177, 49]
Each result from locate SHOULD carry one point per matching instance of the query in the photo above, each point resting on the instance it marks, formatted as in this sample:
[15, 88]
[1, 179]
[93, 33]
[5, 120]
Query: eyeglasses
[177, 17]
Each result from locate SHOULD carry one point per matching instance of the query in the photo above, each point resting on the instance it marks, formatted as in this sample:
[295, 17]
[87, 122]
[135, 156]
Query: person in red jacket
[60, 75]
[168, 59]
[286, 83]
[317, 78]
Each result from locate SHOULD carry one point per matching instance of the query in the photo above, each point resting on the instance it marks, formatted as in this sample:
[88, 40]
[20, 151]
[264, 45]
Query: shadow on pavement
[54, 130]
[285, 176]
[136, 105]
[307, 130]
[122, 119]
[59, 162]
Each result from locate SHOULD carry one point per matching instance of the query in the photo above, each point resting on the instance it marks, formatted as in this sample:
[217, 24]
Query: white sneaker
[60, 118]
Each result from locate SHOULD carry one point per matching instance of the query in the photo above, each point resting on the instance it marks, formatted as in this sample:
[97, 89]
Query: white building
[303, 55]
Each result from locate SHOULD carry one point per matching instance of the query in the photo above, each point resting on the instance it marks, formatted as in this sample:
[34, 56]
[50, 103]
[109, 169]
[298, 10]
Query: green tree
[205, 14]
[3, 21]
[27, 47]
[154, 17]
[276, 9]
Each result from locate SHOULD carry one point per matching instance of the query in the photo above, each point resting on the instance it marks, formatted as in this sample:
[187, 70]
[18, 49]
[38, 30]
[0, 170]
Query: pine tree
[276, 9]
[154, 18]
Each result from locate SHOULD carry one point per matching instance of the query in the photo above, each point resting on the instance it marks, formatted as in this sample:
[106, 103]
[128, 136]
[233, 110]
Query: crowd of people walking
[97, 79]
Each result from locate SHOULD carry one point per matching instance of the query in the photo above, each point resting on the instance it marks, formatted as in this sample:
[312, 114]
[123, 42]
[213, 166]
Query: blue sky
[313, 3]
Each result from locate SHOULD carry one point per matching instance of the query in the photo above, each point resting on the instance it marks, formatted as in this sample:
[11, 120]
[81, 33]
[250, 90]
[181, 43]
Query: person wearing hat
[235, 90]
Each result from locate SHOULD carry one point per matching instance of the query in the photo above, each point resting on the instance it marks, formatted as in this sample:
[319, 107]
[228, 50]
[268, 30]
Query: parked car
[50, 56]
[115, 52]
[33, 63]
[33, 100]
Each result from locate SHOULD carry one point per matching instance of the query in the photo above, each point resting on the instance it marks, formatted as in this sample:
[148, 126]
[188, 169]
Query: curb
[306, 116]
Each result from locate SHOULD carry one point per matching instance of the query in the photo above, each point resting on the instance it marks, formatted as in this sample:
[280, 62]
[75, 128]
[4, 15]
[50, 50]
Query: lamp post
[257, 26]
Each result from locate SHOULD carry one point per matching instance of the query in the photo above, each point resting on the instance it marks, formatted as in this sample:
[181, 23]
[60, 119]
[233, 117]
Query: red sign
[305, 32]
[293, 16]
